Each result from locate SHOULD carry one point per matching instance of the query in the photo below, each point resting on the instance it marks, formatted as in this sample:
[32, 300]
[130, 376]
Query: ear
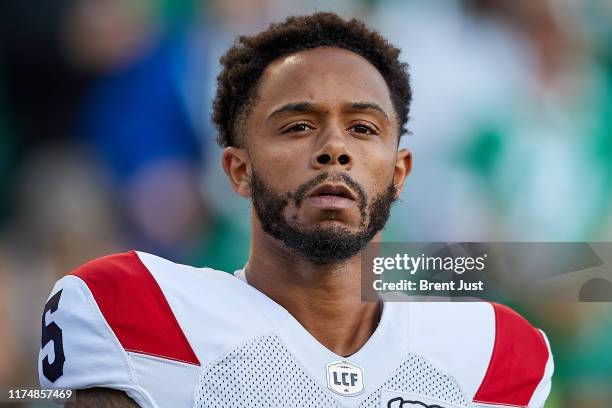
[403, 166]
[237, 165]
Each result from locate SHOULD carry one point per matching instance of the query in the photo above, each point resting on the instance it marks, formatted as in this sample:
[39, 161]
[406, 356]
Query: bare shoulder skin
[102, 398]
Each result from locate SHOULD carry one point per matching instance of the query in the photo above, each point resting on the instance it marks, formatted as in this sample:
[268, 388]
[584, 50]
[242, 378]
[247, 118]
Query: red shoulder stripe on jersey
[135, 307]
[518, 361]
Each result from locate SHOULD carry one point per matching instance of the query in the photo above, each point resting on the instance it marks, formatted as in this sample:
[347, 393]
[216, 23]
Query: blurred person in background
[143, 116]
[512, 130]
[134, 119]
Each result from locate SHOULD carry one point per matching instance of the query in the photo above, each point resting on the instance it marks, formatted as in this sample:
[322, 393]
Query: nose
[334, 151]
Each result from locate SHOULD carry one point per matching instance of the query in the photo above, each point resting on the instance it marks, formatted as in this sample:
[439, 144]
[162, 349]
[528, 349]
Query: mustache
[301, 191]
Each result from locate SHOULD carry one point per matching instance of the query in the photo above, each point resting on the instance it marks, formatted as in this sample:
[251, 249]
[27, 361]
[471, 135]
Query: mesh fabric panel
[264, 374]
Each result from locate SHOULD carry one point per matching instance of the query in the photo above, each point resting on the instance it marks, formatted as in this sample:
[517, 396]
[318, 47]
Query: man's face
[322, 162]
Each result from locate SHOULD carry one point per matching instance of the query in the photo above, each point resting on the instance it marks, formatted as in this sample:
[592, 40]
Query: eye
[298, 127]
[363, 129]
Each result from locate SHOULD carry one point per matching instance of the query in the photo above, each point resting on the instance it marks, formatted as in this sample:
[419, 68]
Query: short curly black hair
[245, 62]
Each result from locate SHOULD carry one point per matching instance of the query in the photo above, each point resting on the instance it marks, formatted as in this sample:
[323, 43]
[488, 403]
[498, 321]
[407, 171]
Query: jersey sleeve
[543, 388]
[521, 366]
[109, 324]
[78, 348]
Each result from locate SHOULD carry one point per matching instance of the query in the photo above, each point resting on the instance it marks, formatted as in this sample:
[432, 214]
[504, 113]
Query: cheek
[376, 167]
[278, 165]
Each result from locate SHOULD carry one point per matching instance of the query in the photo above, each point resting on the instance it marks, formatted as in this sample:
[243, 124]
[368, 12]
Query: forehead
[325, 75]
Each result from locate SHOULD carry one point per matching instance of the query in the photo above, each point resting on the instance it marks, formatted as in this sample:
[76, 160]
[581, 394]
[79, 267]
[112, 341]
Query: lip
[331, 197]
[333, 190]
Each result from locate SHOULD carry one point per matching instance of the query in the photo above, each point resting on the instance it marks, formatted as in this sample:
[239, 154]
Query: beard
[320, 244]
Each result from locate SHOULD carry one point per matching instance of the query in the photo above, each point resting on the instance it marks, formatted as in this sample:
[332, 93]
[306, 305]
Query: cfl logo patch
[345, 378]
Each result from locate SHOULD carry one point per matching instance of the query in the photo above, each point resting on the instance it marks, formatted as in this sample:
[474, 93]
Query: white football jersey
[171, 335]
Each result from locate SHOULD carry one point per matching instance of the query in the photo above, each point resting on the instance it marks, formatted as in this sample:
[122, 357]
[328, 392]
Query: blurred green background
[106, 144]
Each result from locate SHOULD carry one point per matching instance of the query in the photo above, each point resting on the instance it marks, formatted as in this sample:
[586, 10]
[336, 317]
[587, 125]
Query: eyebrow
[296, 107]
[369, 106]
[300, 107]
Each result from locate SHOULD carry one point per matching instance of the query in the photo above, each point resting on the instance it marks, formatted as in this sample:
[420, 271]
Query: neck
[325, 299]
